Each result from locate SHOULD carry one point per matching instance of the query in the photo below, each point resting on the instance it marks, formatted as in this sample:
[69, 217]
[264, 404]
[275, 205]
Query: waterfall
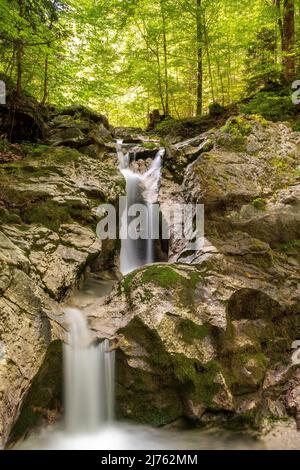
[89, 377]
[150, 180]
[142, 189]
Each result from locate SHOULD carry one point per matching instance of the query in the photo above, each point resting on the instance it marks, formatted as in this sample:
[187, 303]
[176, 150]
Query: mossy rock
[233, 134]
[43, 401]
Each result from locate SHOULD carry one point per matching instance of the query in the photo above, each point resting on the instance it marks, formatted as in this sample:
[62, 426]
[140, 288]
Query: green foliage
[33, 150]
[261, 69]
[215, 109]
[290, 248]
[271, 105]
[125, 59]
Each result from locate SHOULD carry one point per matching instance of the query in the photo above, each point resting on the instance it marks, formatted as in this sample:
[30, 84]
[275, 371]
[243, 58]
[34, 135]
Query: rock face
[209, 338]
[22, 118]
[48, 205]
[80, 128]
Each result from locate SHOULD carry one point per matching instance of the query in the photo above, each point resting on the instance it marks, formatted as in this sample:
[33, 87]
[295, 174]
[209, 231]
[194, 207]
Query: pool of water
[133, 437]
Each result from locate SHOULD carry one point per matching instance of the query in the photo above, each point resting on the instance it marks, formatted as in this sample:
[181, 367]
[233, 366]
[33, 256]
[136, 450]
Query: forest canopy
[126, 58]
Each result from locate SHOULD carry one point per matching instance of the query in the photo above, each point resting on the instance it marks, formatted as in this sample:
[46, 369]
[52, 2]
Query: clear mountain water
[140, 189]
[89, 377]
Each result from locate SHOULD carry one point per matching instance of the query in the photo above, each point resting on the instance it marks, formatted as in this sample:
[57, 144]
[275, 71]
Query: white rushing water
[140, 189]
[89, 377]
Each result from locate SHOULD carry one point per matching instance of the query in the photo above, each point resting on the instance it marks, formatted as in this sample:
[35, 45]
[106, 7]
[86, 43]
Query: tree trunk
[277, 4]
[199, 59]
[166, 74]
[159, 79]
[46, 81]
[20, 55]
[288, 40]
[20, 50]
[208, 60]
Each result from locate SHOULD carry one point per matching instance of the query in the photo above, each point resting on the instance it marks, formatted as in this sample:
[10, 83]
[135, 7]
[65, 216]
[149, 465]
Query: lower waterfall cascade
[89, 377]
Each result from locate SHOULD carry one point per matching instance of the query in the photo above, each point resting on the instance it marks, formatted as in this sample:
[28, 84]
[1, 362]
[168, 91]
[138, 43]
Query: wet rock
[44, 253]
[208, 340]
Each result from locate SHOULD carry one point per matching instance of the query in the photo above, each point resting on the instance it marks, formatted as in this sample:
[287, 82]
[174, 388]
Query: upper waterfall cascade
[142, 189]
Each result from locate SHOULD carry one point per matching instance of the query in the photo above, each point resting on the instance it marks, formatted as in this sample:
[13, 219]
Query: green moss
[7, 217]
[262, 261]
[59, 155]
[4, 145]
[290, 248]
[164, 276]
[233, 134]
[165, 127]
[52, 215]
[190, 331]
[184, 369]
[149, 145]
[34, 150]
[296, 124]
[236, 126]
[259, 203]
[126, 282]
[199, 381]
[243, 421]
[259, 119]
[279, 163]
[262, 359]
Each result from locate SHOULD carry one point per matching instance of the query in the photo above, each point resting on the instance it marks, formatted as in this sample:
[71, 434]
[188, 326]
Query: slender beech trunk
[277, 4]
[221, 79]
[229, 78]
[208, 61]
[159, 79]
[199, 59]
[20, 50]
[288, 40]
[46, 80]
[166, 74]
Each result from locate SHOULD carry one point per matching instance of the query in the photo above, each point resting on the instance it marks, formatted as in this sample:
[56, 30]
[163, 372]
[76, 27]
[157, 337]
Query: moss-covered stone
[233, 134]
[44, 398]
[189, 331]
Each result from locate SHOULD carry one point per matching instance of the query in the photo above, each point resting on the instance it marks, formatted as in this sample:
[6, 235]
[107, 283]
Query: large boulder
[81, 128]
[198, 341]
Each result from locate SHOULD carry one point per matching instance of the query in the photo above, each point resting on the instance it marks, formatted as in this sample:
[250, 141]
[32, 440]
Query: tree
[288, 40]
[260, 64]
[31, 26]
[199, 57]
